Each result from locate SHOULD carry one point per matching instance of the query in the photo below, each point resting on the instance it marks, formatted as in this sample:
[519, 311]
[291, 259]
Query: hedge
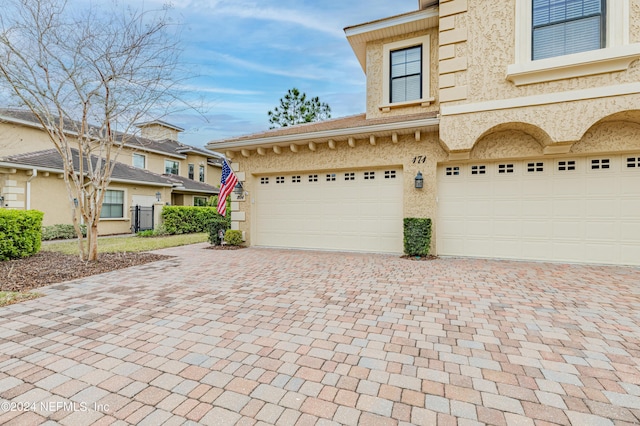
[20, 233]
[417, 236]
[61, 232]
[187, 220]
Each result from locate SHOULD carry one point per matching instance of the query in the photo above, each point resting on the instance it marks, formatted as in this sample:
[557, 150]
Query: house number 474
[419, 159]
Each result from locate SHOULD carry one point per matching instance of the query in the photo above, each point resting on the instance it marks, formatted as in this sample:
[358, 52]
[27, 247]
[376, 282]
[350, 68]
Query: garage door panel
[360, 214]
[542, 212]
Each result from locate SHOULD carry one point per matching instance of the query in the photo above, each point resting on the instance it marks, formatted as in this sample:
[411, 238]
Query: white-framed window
[112, 204]
[171, 167]
[406, 73]
[191, 171]
[201, 173]
[139, 160]
[563, 34]
[563, 27]
[199, 201]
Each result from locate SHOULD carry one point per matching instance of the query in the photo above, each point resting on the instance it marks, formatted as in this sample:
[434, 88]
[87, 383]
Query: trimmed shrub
[61, 232]
[217, 227]
[233, 237]
[187, 219]
[146, 233]
[417, 236]
[20, 233]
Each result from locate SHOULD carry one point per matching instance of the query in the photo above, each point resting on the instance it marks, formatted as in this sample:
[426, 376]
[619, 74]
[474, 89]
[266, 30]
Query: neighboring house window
[191, 171]
[139, 161]
[113, 205]
[201, 173]
[199, 201]
[171, 167]
[406, 74]
[563, 27]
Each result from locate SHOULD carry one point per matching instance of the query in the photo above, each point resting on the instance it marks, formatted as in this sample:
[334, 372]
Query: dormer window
[406, 74]
[563, 27]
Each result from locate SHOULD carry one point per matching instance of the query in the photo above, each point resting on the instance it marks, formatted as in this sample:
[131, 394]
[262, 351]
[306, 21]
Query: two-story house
[513, 124]
[152, 169]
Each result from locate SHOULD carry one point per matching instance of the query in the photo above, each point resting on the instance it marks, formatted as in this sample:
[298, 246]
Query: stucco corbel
[245, 153]
[372, 140]
[230, 154]
[332, 144]
[417, 136]
[312, 146]
[352, 142]
[277, 149]
[293, 147]
[261, 151]
[394, 137]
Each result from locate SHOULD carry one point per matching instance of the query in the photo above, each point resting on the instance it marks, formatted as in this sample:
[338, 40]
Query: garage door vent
[633, 162]
[350, 176]
[369, 175]
[535, 167]
[478, 170]
[295, 179]
[331, 177]
[264, 181]
[566, 165]
[600, 164]
[390, 174]
[313, 178]
[280, 179]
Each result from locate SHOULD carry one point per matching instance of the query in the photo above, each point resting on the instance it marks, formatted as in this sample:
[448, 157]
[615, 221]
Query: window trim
[165, 167]
[617, 54]
[124, 206]
[425, 100]
[133, 160]
[191, 171]
[201, 174]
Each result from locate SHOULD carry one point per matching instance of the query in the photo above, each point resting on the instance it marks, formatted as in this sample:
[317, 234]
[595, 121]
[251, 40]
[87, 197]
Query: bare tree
[87, 75]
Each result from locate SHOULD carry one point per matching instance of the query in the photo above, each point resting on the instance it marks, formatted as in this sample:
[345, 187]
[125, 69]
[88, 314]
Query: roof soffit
[359, 35]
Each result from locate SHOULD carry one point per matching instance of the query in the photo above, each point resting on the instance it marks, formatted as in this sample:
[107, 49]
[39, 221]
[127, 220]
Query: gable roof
[50, 160]
[321, 130]
[166, 146]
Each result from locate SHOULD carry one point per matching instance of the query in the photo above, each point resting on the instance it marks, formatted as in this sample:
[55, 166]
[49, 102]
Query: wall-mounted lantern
[419, 181]
[158, 196]
[239, 191]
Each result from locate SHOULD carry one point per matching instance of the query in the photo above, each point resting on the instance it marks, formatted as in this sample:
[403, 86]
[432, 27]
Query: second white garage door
[583, 209]
[354, 210]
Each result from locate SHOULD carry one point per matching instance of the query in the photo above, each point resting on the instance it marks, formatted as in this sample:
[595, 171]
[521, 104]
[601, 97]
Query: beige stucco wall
[417, 203]
[375, 80]
[17, 139]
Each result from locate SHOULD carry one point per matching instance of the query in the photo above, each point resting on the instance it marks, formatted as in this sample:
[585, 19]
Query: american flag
[227, 183]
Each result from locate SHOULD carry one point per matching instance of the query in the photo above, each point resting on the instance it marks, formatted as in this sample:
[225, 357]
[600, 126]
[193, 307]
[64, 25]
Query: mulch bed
[224, 247]
[46, 268]
[429, 257]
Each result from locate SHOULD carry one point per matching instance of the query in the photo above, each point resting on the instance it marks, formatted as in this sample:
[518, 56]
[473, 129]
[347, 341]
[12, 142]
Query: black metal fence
[141, 218]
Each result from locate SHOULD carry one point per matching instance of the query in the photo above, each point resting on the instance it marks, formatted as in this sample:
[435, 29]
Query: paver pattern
[265, 336]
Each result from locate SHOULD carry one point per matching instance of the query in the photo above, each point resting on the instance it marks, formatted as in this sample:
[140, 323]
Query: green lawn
[11, 297]
[129, 244]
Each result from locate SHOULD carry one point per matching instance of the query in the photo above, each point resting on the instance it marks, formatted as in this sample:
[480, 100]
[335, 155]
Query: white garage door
[358, 210]
[583, 209]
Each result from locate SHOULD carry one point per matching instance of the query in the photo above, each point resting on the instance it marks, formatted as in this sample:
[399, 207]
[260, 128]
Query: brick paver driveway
[260, 336]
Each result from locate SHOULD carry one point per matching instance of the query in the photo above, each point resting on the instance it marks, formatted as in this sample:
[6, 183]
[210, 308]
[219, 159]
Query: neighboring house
[521, 116]
[151, 170]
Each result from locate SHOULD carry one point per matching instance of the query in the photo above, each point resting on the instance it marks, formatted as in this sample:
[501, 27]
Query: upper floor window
[139, 161]
[171, 167]
[563, 27]
[201, 174]
[406, 74]
[191, 171]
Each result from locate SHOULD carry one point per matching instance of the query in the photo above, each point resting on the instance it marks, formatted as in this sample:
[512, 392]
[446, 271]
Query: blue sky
[247, 54]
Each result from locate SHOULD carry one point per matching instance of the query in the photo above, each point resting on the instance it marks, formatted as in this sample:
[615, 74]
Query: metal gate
[141, 218]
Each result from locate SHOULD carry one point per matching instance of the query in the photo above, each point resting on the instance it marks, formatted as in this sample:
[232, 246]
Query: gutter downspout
[34, 173]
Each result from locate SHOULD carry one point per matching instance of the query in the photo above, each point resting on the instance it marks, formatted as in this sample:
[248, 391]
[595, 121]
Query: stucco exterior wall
[417, 203]
[16, 139]
[375, 78]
